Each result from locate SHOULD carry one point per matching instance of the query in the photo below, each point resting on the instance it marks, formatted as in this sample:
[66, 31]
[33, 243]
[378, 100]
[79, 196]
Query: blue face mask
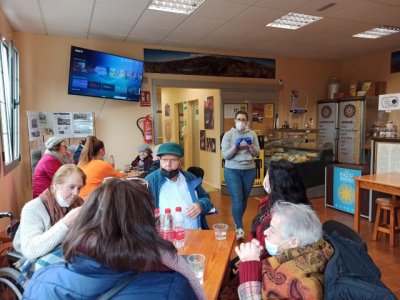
[272, 248]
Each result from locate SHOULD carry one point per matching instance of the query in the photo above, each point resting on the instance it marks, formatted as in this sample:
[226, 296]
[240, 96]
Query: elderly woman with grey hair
[299, 256]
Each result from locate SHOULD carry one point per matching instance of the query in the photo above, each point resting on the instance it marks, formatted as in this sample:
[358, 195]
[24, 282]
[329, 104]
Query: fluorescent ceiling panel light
[185, 7]
[377, 32]
[293, 21]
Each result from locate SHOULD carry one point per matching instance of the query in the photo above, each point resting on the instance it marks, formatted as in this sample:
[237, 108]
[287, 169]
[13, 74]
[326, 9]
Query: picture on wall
[202, 140]
[176, 62]
[167, 110]
[209, 113]
[257, 112]
[395, 62]
[210, 145]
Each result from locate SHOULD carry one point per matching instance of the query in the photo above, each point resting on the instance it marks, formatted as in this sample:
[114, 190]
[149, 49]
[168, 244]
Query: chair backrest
[196, 171]
[345, 231]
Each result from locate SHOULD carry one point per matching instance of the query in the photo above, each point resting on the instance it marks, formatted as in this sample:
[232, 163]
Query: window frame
[9, 107]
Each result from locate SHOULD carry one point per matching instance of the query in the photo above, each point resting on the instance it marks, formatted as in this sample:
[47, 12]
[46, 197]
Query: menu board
[327, 113]
[387, 157]
[350, 131]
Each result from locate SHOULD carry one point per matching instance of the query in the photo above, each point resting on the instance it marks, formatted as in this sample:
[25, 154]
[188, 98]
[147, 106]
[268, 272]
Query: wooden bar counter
[217, 255]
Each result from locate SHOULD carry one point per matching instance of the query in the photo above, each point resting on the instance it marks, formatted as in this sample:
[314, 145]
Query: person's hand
[70, 157]
[193, 211]
[70, 217]
[238, 141]
[249, 251]
[248, 140]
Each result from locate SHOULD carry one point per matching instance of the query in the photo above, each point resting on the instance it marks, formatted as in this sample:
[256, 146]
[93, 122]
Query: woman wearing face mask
[239, 147]
[299, 256]
[144, 160]
[45, 220]
[92, 163]
[54, 157]
[282, 181]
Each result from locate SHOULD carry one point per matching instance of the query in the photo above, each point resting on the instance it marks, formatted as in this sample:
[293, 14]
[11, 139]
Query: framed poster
[344, 188]
[209, 113]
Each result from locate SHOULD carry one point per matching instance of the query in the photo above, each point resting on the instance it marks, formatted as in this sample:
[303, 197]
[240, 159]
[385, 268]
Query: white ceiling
[218, 25]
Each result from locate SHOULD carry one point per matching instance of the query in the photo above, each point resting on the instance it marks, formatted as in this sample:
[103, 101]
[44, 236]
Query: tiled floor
[385, 257]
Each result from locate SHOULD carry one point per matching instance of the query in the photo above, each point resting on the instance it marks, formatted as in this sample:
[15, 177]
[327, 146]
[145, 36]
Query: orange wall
[374, 67]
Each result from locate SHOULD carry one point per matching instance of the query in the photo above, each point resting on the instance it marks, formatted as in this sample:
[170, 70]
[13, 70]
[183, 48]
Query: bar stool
[392, 206]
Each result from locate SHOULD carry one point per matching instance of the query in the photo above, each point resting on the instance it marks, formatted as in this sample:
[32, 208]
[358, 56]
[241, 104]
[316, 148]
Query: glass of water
[197, 263]
[220, 230]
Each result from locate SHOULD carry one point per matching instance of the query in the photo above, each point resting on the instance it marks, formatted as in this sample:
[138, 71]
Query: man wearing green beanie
[172, 187]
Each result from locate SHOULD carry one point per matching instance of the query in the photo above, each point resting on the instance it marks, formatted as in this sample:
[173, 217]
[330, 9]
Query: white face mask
[267, 188]
[272, 248]
[60, 200]
[240, 126]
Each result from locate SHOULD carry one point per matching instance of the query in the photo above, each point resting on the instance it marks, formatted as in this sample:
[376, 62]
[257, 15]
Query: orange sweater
[96, 170]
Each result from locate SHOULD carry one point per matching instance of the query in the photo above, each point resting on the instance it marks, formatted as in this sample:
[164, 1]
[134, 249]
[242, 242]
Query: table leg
[357, 196]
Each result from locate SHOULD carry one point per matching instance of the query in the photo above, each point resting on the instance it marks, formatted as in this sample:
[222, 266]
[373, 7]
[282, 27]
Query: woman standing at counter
[239, 147]
[92, 163]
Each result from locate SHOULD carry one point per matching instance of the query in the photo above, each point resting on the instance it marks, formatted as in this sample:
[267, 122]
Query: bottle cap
[178, 209]
[167, 210]
[156, 211]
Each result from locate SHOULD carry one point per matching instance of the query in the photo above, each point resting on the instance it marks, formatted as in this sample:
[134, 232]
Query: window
[9, 105]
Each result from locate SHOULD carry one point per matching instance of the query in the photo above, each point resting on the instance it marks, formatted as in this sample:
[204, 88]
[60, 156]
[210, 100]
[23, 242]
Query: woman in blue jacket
[114, 243]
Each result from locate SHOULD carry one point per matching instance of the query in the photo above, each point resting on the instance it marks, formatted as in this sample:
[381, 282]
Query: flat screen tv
[98, 74]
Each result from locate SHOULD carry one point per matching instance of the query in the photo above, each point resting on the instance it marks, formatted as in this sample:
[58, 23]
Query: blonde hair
[66, 170]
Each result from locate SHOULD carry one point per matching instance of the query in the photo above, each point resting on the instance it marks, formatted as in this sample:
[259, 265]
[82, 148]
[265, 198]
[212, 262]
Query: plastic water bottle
[168, 226]
[112, 161]
[179, 228]
[157, 216]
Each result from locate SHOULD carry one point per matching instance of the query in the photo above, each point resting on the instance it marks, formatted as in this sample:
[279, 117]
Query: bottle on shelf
[168, 226]
[179, 228]
[157, 216]
[112, 160]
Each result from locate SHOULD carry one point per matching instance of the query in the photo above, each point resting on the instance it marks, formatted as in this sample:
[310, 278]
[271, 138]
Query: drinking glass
[197, 264]
[220, 231]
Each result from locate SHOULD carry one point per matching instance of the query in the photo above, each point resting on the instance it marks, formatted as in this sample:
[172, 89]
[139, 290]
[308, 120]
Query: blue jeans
[239, 183]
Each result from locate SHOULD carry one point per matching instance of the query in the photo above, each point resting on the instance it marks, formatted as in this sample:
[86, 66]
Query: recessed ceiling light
[185, 7]
[293, 21]
[378, 32]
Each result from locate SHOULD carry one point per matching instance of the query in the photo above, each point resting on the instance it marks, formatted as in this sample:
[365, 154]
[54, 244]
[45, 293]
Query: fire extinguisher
[147, 130]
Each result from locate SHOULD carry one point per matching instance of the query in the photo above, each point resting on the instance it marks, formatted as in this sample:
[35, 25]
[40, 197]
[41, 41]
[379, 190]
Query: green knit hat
[171, 148]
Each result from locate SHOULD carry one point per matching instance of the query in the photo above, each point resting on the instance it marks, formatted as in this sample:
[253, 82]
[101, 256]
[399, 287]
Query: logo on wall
[326, 112]
[349, 111]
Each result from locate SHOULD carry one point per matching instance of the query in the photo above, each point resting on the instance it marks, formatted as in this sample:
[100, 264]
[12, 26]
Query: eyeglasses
[64, 146]
[172, 160]
[241, 120]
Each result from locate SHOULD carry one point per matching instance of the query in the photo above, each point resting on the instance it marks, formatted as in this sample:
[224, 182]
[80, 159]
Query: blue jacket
[87, 279]
[156, 180]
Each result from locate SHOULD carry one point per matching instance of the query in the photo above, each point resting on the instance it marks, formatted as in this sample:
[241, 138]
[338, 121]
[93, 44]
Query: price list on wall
[327, 124]
[350, 125]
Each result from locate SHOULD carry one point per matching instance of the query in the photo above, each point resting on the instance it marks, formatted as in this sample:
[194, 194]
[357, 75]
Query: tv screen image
[98, 74]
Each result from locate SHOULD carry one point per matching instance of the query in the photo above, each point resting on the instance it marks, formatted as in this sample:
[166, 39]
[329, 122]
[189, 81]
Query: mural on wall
[209, 113]
[395, 62]
[202, 140]
[176, 62]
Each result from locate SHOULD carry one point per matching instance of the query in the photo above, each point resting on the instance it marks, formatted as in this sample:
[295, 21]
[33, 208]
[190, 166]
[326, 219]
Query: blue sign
[344, 188]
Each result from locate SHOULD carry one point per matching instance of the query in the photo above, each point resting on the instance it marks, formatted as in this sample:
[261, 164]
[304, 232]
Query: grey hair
[298, 220]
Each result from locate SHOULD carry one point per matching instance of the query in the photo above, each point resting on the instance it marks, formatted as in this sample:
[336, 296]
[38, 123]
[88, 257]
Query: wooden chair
[391, 227]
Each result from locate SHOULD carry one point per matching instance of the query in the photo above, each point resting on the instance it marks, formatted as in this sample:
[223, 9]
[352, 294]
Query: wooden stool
[387, 205]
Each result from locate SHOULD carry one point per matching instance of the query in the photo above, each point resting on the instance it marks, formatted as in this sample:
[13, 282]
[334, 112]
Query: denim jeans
[239, 183]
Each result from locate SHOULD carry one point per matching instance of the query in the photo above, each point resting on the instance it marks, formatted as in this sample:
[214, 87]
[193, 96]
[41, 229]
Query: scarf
[56, 212]
[62, 159]
[297, 273]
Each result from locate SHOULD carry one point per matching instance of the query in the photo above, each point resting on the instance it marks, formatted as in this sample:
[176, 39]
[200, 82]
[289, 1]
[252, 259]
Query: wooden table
[388, 183]
[217, 255]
